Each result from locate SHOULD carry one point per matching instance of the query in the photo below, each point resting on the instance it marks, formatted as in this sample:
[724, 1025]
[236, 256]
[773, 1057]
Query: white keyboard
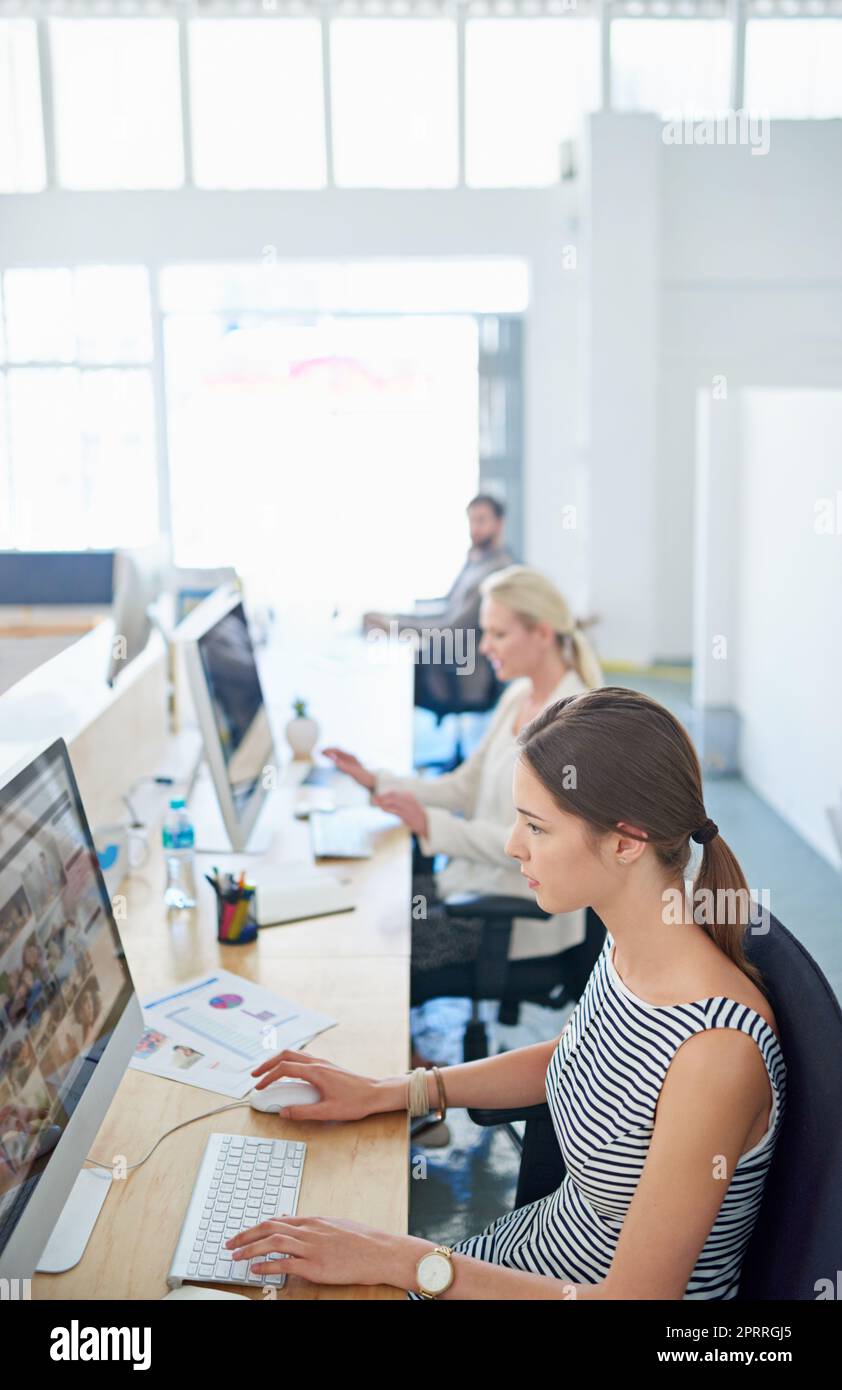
[241, 1181]
[335, 835]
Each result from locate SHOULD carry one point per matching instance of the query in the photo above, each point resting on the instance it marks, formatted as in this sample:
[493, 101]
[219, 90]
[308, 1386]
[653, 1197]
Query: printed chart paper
[211, 1032]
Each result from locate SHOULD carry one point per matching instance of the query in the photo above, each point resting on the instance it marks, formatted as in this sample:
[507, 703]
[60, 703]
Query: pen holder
[236, 923]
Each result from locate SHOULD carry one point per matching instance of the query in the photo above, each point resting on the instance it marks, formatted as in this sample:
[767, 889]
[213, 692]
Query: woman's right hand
[345, 1095]
[346, 762]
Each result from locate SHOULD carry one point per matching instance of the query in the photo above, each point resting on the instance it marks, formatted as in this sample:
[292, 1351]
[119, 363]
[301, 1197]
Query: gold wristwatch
[435, 1272]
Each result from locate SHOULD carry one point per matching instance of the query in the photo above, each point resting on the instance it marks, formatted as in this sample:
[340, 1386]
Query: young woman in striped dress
[666, 1087]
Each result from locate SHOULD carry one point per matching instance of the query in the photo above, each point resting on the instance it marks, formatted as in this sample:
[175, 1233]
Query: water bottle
[177, 837]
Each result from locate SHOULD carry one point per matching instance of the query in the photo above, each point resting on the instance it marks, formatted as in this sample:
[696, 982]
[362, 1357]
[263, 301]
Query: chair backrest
[795, 1251]
[797, 1241]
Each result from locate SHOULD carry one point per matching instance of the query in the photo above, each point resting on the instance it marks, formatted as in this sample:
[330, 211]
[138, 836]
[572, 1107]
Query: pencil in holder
[236, 922]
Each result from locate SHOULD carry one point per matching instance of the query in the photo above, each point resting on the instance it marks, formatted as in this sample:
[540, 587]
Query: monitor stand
[72, 1231]
[210, 834]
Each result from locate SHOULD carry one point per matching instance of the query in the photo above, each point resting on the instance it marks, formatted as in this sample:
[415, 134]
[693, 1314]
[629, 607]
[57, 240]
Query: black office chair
[450, 690]
[553, 981]
[797, 1238]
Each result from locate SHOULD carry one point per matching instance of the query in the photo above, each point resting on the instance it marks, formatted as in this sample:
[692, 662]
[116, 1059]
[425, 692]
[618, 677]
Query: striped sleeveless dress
[603, 1084]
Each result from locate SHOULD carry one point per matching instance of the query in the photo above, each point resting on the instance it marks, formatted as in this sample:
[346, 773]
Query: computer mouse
[189, 1293]
[283, 1093]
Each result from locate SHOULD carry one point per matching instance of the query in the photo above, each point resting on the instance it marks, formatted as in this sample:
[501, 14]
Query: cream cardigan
[470, 813]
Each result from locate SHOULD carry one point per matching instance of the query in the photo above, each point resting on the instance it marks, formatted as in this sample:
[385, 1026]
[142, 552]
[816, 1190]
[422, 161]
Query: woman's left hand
[325, 1250]
[408, 807]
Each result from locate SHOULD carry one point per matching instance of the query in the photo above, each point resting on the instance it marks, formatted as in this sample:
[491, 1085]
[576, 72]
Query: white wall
[737, 255]
[750, 289]
[789, 671]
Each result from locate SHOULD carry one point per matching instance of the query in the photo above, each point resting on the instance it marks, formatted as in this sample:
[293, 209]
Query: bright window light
[92, 314]
[113, 318]
[358, 410]
[673, 67]
[82, 458]
[21, 130]
[40, 321]
[794, 67]
[257, 103]
[117, 93]
[528, 84]
[394, 103]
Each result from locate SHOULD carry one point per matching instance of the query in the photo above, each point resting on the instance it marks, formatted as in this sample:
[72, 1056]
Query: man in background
[449, 626]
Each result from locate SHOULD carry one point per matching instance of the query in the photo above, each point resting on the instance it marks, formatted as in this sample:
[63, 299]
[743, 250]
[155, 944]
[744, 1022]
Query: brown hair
[635, 764]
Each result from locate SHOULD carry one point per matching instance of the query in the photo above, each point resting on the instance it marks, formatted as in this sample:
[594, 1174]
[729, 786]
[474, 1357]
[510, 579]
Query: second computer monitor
[230, 707]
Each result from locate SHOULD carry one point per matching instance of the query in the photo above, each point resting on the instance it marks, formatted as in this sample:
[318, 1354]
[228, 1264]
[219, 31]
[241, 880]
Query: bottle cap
[177, 803]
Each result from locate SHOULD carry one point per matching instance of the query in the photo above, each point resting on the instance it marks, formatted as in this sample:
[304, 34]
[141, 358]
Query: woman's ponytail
[722, 903]
[585, 659]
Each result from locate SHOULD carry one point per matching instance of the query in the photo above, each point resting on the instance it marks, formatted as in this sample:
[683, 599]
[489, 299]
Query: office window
[81, 451]
[117, 94]
[369, 413]
[257, 103]
[82, 456]
[77, 434]
[40, 323]
[528, 84]
[394, 103]
[794, 67]
[671, 66]
[21, 130]
[91, 314]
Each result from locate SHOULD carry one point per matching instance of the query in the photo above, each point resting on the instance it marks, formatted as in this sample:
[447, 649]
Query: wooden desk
[354, 966]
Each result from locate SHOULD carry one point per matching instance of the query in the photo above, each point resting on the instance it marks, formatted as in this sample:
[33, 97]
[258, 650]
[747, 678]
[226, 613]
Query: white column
[718, 527]
[620, 351]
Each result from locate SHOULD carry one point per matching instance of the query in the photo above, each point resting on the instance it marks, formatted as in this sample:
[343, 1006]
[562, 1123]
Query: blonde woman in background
[531, 640]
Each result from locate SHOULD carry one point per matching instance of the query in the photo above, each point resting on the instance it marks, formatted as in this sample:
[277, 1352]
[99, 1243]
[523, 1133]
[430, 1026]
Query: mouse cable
[235, 1105]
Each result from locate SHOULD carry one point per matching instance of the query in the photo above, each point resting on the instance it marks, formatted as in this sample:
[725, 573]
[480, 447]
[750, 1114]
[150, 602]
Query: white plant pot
[302, 736]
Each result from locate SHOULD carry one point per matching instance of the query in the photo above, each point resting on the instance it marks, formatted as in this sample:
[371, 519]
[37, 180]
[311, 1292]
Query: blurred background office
[286, 285]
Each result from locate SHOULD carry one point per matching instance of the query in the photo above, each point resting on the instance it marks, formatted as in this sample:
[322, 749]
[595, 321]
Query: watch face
[434, 1273]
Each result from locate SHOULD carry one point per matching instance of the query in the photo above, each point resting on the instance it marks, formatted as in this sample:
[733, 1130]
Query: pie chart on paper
[225, 1001]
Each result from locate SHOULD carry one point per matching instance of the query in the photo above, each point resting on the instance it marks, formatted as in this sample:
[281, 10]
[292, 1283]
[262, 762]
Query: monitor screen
[64, 981]
[242, 723]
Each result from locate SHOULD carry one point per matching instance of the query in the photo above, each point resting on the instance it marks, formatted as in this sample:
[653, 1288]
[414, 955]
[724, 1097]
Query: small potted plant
[302, 732]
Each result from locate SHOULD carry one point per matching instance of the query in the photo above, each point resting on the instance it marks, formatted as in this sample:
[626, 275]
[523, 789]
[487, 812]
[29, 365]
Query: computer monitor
[140, 578]
[69, 1016]
[192, 586]
[232, 714]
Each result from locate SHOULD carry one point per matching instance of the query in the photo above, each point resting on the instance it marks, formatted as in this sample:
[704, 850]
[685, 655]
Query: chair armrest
[486, 1118]
[492, 907]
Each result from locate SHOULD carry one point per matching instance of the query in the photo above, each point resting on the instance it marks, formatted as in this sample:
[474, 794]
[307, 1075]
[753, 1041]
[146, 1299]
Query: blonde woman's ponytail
[586, 660]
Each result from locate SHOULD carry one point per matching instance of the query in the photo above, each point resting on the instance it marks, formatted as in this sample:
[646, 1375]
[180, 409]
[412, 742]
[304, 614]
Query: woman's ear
[629, 843]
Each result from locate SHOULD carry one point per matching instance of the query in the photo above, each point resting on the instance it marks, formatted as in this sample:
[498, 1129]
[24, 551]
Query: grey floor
[458, 1189]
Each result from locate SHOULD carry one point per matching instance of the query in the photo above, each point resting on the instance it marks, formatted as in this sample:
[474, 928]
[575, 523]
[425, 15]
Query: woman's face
[557, 855]
[512, 648]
